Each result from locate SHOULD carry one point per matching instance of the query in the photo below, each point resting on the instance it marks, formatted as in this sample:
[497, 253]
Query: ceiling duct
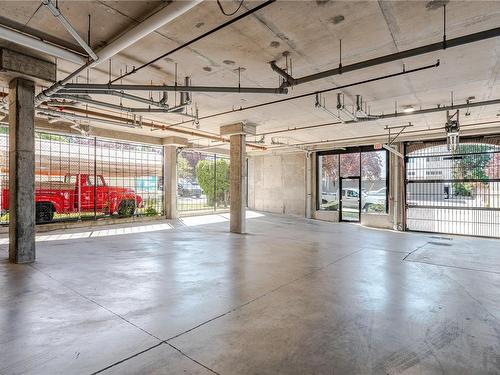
[162, 17]
[37, 44]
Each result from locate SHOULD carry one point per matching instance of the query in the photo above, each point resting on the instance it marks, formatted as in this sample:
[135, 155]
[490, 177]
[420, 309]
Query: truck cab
[95, 193]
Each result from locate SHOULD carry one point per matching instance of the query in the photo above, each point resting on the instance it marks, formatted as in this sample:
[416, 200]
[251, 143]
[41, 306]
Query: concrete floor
[294, 296]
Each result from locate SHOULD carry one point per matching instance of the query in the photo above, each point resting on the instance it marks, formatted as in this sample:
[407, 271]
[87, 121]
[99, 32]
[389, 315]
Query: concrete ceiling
[309, 32]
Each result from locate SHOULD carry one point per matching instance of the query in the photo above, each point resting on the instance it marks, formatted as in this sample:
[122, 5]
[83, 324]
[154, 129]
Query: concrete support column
[397, 189]
[238, 183]
[171, 147]
[21, 171]
[238, 173]
[309, 184]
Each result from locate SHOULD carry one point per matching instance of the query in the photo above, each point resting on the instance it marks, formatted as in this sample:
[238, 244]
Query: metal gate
[454, 192]
[202, 182]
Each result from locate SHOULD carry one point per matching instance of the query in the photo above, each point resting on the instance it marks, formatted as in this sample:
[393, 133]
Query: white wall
[277, 183]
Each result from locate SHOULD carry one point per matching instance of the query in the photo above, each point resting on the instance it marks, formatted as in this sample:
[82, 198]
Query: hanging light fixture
[408, 109]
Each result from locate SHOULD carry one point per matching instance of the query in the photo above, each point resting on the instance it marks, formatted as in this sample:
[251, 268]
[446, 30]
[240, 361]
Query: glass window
[374, 181]
[70, 179]
[90, 181]
[349, 164]
[328, 182]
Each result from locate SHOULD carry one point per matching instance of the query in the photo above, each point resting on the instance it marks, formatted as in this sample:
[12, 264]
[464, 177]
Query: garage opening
[454, 192]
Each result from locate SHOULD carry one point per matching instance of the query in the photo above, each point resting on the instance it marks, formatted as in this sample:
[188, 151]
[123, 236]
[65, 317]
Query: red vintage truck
[79, 193]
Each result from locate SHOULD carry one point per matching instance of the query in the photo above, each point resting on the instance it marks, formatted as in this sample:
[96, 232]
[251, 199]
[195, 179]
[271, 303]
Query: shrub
[151, 211]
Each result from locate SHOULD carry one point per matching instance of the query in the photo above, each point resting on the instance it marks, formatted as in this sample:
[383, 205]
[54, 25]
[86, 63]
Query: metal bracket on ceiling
[67, 25]
[402, 127]
[389, 146]
[452, 128]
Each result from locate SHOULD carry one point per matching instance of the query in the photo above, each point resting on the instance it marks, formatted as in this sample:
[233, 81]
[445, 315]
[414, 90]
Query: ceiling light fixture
[408, 109]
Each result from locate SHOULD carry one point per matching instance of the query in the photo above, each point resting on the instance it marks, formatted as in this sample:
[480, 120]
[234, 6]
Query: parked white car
[350, 198]
[374, 197]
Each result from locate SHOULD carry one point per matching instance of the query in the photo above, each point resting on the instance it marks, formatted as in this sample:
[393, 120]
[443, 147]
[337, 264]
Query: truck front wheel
[126, 208]
[44, 213]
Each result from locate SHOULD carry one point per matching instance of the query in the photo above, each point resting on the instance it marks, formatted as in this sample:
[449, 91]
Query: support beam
[21, 171]
[171, 146]
[238, 173]
[15, 64]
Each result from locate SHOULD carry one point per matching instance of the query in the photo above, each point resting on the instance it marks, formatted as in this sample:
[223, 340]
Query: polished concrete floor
[293, 296]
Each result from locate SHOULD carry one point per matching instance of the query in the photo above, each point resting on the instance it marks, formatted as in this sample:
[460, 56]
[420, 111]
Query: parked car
[350, 198]
[79, 193]
[329, 200]
[375, 197]
[189, 189]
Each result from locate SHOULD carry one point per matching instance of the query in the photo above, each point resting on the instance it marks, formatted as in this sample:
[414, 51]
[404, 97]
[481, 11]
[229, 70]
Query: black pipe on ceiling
[103, 87]
[241, 109]
[455, 42]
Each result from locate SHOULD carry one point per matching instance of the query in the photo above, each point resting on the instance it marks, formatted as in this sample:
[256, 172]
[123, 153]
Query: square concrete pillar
[21, 171]
[238, 173]
[171, 147]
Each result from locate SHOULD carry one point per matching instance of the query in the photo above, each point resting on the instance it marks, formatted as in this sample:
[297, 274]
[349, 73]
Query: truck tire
[44, 213]
[126, 208]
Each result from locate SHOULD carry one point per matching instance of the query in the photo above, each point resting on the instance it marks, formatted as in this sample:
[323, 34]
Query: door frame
[341, 208]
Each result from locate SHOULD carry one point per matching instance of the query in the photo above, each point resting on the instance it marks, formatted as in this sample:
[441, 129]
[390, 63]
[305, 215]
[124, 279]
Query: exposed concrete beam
[14, 64]
[238, 128]
[175, 141]
[65, 129]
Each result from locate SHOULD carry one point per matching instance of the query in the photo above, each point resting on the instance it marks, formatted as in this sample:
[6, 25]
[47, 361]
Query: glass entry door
[350, 199]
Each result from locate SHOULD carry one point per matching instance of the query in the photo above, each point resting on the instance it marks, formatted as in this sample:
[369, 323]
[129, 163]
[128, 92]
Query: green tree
[184, 169]
[214, 180]
[470, 163]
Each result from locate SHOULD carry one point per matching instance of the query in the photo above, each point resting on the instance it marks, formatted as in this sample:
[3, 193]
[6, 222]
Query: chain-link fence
[202, 182]
[79, 178]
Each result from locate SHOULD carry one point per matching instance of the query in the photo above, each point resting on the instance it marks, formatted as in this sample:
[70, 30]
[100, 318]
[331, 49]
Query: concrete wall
[277, 183]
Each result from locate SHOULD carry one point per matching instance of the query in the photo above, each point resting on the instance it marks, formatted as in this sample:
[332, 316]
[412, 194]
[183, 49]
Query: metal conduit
[110, 105]
[389, 115]
[455, 42]
[160, 18]
[376, 137]
[72, 116]
[105, 87]
[145, 123]
[57, 13]
[241, 109]
[119, 94]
